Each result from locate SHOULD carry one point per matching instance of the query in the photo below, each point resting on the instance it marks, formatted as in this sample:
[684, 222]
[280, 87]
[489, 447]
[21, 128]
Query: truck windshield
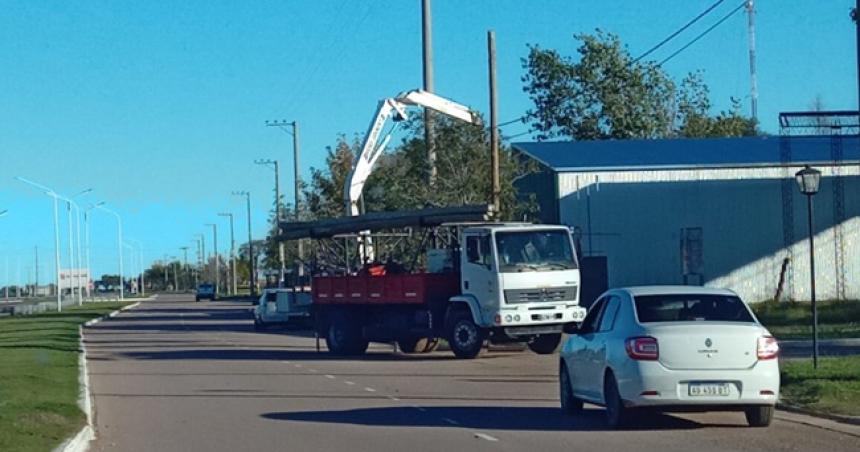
[535, 251]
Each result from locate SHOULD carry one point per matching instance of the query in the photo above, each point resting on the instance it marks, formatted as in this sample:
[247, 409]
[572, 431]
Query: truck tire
[418, 345]
[344, 337]
[465, 338]
[545, 344]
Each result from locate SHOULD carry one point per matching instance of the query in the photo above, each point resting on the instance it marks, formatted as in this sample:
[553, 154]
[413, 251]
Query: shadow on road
[484, 418]
[283, 353]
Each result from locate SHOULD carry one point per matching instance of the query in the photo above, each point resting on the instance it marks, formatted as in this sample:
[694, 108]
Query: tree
[606, 94]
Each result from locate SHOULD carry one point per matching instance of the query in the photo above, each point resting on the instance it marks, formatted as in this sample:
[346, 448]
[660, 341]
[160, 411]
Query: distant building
[718, 212]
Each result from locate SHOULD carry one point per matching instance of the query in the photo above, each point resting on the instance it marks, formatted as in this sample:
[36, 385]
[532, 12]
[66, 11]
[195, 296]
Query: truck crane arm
[375, 141]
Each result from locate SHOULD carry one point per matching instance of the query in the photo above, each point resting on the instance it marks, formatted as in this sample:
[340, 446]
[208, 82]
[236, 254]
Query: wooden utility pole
[494, 127]
[427, 38]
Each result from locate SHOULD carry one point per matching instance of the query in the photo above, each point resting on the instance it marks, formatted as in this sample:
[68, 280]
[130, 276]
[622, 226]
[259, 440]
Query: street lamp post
[184, 266]
[78, 233]
[808, 180]
[215, 249]
[251, 259]
[140, 264]
[101, 206]
[57, 264]
[232, 251]
[274, 163]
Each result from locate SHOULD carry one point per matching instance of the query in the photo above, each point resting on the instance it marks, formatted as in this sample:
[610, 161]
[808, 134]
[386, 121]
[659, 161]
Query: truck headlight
[508, 318]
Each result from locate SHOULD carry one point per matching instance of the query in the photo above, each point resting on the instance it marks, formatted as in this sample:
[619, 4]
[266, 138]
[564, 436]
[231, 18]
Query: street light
[233, 251]
[808, 180]
[215, 247]
[57, 264]
[78, 233]
[101, 206]
[296, 178]
[140, 265]
[251, 259]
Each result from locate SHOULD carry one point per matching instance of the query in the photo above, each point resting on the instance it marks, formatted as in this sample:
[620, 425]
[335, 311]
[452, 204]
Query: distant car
[205, 292]
[282, 307]
[670, 348]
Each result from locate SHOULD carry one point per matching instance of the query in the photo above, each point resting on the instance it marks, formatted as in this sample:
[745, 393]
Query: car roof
[675, 290]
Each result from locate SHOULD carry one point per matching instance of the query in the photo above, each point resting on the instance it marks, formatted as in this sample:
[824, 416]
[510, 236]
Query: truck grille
[546, 294]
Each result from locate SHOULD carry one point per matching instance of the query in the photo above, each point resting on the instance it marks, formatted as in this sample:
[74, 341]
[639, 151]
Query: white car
[670, 348]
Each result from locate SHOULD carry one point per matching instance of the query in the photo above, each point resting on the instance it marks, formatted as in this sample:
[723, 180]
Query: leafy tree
[606, 94]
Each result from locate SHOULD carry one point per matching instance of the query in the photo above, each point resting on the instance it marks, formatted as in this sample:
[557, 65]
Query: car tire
[545, 344]
[569, 403]
[344, 337]
[759, 416]
[617, 415]
[464, 337]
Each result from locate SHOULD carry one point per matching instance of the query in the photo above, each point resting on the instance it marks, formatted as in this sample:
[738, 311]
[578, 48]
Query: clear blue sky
[160, 106]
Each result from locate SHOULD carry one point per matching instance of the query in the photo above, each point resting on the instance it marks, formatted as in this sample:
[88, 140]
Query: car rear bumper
[649, 384]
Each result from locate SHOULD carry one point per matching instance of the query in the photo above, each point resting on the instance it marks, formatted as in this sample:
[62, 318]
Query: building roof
[614, 155]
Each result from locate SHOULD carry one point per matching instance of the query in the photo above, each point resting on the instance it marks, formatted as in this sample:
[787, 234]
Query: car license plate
[709, 389]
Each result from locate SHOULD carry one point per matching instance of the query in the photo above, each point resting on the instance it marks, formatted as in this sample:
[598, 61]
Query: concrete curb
[80, 442]
[852, 420]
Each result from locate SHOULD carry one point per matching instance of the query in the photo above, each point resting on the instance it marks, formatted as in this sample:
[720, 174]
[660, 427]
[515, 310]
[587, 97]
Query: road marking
[349, 383]
[285, 362]
[485, 436]
[369, 389]
[450, 421]
[297, 365]
[419, 408]
[330, 377]
[313, 370]
[393, 398]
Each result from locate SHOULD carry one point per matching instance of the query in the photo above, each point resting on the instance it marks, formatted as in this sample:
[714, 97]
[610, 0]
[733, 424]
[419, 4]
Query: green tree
[606, 94]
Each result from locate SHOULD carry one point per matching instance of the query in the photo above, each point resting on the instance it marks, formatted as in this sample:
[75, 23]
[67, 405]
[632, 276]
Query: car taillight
[767, 347]
[642, 348]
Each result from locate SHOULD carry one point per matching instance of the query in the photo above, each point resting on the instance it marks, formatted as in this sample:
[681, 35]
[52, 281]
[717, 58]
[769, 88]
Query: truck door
[478, 273]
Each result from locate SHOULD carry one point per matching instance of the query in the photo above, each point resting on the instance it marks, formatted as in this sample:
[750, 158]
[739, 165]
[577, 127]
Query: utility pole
[203, 255]
[297, 181]
[753, 82]
[36, 282]
[427, 40]
[184, 265]
[217, 264]
[278, 216]
[251, 259]
[232, 252]
[494, 127]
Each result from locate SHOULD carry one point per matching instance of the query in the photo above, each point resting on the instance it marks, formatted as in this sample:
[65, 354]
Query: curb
[80, 442]
[851, 420]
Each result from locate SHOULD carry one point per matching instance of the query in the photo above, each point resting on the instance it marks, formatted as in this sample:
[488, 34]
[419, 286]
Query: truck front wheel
[465, 338]
[344, 337]
[545, 344]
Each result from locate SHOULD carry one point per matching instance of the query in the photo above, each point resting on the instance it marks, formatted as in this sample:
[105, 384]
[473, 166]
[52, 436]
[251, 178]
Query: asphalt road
[173, 374]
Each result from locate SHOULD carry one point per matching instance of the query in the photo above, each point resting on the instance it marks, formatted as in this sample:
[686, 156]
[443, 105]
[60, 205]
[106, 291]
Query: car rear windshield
[691, 308]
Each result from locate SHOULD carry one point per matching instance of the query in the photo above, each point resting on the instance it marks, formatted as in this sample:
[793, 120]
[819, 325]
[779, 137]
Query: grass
[39, 377]
[833, 388]
[793, 320]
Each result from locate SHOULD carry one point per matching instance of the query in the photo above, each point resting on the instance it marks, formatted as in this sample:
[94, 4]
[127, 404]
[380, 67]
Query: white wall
[637, 217]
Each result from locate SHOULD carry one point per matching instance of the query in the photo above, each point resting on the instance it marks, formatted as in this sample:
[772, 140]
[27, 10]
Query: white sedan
[670, 348]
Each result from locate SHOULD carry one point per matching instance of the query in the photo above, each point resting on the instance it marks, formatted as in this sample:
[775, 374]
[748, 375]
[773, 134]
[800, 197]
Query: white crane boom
[372, 148]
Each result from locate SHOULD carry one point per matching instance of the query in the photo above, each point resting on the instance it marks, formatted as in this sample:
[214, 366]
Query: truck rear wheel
[465, 338]
[344, 337]
[545, 344]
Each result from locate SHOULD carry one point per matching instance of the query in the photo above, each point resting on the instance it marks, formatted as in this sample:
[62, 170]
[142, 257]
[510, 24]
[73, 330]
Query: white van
[281, 307]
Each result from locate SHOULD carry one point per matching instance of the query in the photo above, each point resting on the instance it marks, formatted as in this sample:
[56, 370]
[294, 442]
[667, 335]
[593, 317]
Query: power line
[700, 36]
[507, 123]
[676, 33]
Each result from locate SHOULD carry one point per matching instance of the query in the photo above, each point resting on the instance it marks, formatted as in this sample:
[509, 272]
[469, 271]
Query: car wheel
[759, 416]
[545, 344]
[569, 403]
[617, 414]
[465, 338]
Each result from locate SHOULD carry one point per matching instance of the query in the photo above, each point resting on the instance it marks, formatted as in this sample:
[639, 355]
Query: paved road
[177, 375]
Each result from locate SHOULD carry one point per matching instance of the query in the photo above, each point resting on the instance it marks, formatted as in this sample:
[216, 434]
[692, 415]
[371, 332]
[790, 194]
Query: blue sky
[160, 106]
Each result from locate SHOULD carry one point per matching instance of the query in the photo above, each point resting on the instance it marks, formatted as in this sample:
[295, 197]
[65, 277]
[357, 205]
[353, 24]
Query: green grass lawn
[39, 377]
[833, 388]
[793, 320]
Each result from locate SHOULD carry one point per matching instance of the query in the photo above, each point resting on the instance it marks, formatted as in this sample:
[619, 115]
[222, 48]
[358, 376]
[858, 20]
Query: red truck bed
[417, 288]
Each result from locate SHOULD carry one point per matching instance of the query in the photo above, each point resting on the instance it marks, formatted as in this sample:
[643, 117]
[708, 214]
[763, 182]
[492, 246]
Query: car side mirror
[571, 328]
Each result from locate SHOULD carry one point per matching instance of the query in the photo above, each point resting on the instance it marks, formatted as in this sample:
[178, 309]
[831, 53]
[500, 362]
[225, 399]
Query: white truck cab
[281, 306]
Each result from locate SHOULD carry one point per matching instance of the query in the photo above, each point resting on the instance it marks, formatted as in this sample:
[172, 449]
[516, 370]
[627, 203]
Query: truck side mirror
[571, 328]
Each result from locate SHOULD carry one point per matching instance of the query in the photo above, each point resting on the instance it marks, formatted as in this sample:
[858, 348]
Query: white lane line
[285, 362]
[485, 436]
[349, 383]
[330, 377]
[450, 421]
[393, 398]
[419, 408]
[369, 389]
[297, 365]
